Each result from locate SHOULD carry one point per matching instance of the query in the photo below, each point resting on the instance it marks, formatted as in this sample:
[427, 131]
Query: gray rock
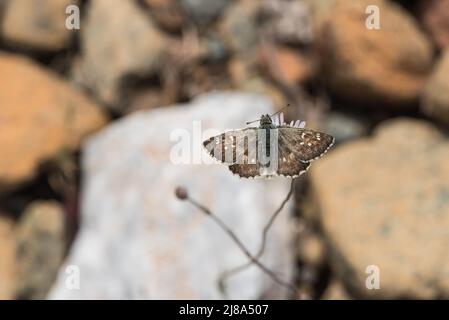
[239, 27]
[204, 11]
[138, 241]
[118, 40]
[354, 60]
[40, 249]
[344, 126]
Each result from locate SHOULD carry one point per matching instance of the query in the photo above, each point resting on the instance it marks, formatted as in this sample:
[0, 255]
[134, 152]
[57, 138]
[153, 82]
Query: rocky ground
[86, 117]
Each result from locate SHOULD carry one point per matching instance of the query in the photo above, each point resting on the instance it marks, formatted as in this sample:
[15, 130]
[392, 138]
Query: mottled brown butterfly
[273, 148]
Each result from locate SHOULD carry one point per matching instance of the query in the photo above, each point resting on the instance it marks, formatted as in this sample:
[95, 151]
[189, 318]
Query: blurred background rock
[82, 182]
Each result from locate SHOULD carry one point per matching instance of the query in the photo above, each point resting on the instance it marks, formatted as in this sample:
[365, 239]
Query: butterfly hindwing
[245, 170]
[292, 167]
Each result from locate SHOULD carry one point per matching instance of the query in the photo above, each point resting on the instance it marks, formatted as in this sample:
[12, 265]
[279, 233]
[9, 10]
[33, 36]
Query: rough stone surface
[435, 18]
[435, 102]
[7, 258]
[384, 201]
[137, 240]
[118, 41]
[40, 115]
[40, 249]
[37, 24]
[368, 66]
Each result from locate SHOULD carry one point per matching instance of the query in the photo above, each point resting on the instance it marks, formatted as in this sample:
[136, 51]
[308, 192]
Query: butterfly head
[265, 121]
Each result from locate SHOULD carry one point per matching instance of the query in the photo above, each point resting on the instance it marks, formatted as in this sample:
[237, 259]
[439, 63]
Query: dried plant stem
[238, 242]
[259, 254]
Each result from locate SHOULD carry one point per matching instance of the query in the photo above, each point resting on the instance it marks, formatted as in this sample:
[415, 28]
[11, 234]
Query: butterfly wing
[302, 144]
[236, 146]
[292, 168]
[245, 170]
[286, 163]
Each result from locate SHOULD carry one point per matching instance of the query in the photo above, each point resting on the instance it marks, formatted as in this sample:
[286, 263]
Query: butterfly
[273, 148]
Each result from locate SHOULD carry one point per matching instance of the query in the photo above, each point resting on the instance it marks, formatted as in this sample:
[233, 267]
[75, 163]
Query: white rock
[138, 241]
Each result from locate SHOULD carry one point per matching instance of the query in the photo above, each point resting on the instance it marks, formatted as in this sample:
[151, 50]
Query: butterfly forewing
[302, 144]
[236, 146]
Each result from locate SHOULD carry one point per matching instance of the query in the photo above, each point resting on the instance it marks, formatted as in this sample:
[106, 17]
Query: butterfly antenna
[288, 105]
[249, 122]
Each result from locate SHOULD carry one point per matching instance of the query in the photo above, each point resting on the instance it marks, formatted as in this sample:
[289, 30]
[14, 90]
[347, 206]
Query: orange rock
[289, 66]
[384, 201]
[40, 115]
[388, 65]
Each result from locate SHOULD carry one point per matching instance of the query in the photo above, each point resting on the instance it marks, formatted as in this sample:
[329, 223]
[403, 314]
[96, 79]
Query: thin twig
[182, 194]
[259, 254]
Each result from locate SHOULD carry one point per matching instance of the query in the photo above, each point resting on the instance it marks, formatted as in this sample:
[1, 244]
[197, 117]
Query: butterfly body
[269, 150]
